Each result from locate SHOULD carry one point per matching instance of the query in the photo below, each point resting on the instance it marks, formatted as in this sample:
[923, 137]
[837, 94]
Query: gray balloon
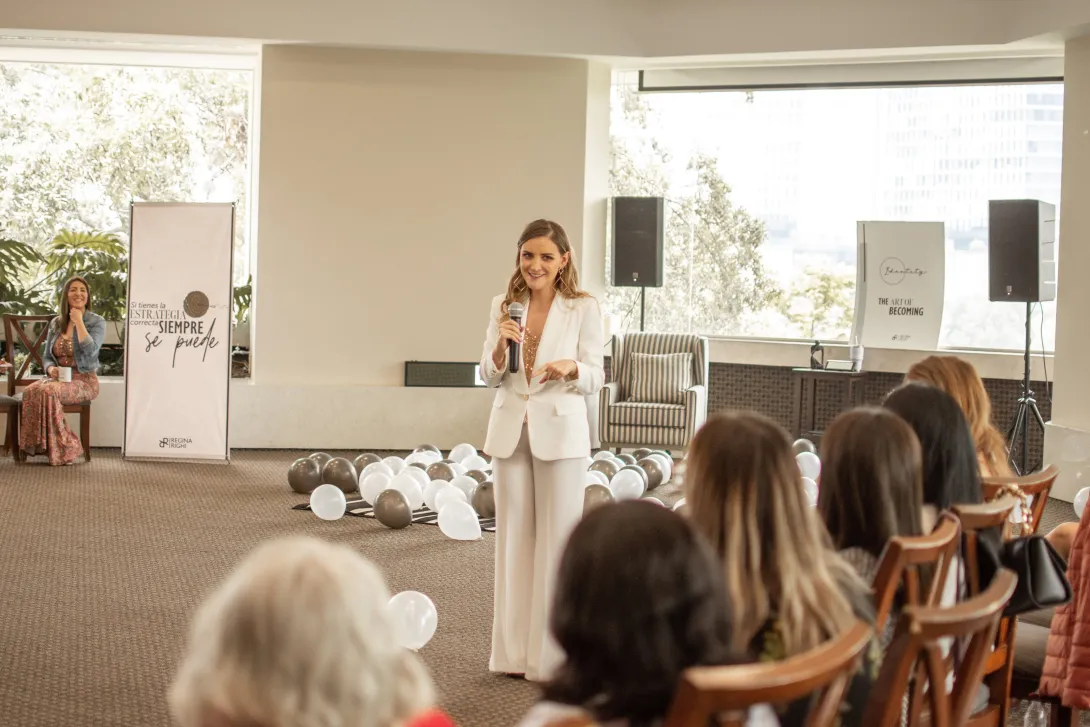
[392, 509]
[803, 445]
[641, 453]
[636, 468]
[441, 471]
[653, 470]
[484, 500]
[342, 473]
[596, 496]
[627, 458]
[321, 458]
[478, 475]
[606, 466]
[361, 462]
[427, 448]
[304, 475]
[419, 466]
[447, 461]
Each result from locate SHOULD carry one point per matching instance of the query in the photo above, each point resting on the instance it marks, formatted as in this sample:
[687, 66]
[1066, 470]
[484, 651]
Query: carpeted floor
[103, 563]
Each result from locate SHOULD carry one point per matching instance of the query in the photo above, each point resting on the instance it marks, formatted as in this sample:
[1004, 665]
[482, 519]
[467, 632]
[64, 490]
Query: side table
[805, 381]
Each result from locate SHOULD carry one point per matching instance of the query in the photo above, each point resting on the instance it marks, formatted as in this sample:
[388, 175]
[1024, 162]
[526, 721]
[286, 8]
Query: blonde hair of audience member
[745, 495]
[959, 379]
[298, 635]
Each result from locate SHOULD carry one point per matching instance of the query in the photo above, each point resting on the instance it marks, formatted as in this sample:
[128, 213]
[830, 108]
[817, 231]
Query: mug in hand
[64, 373]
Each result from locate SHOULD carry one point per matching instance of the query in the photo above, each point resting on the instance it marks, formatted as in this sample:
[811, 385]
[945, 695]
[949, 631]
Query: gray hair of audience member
[298, 636]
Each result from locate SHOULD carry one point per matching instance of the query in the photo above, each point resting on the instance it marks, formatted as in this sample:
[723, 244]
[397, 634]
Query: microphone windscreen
[515, 311]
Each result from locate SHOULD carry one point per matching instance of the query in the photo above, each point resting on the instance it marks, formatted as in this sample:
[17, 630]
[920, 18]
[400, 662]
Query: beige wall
[392, 189]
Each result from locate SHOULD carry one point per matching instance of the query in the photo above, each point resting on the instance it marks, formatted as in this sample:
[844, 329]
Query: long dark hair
[951, 473]
[639, 598]
[871, 483]
[65, 317]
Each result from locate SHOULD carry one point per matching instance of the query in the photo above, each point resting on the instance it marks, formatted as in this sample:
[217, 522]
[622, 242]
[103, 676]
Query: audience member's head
[639, 598]
[951, 474]
[745, 494]
[960, 380]
[871, 483]
[298, 634]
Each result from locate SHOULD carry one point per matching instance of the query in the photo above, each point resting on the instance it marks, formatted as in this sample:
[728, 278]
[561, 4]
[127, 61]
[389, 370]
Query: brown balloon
[626, 458]
[419, 466]
[484, 500]
[441, 471]
[478, 475]
[596, 496]
[653, 470]
[606, 466]
[641, 453]
[342, 473]
[803, 445]
[427, 448]
[392, 509]
[304, 475]
[363, 460]
[321, 458]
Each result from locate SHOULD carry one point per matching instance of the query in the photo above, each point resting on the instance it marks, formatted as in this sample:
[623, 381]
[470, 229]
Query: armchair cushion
[660, 378]
[645, 414]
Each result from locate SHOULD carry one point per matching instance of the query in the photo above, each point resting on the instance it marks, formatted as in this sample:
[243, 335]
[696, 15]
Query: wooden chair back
[999, 663]
[920, 564]
[28, 332]
[1036, 486]
[727, 692]
[916, 657]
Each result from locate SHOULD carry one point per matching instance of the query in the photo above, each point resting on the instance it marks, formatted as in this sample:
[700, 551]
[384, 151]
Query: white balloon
[627, 485]
[594, 477]
[396, 464]
[811, 490]
[679, 504]
[376, 467]
[462, 451]
[420, 457]
[666, 465]
[459, 469]
[431, 491]
[407, 485]
[474, 462]
[328, 502]
[418, 474]
[447, 495]
[458, 521]
[373, 485]
[653, 500]
[466, 484]
[415, 618]
[1080, 500]
[604, 454]
[809, 464]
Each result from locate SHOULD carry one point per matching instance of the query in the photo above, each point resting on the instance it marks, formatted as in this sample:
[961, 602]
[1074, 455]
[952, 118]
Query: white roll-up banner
[178, 331]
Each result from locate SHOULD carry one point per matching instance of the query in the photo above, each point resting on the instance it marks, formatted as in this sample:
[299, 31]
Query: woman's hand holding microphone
[509, 331]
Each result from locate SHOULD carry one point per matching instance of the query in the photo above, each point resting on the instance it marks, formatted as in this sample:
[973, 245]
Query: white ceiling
[626, 33]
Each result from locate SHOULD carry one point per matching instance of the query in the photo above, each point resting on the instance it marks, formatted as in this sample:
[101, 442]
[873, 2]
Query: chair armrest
[607, 395]
[696, 407]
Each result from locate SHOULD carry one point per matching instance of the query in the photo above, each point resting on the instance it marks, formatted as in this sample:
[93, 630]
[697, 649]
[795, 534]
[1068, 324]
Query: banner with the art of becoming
[178, 331]
[900, 284]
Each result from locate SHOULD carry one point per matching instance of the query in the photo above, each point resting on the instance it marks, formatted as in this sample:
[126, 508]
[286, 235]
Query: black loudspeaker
[1021, 250]
[638, 232]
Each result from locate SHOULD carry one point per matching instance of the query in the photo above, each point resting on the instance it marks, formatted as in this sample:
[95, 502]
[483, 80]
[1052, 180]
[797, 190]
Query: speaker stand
[1027, 407]
[642, 291]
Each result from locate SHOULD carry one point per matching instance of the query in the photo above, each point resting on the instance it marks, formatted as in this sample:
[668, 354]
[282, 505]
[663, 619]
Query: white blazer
[556, 412]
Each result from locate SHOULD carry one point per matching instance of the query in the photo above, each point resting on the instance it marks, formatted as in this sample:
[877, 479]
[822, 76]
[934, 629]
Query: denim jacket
[86, 349]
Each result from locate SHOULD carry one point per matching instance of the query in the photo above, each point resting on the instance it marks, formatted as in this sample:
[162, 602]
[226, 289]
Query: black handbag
[1042, 573]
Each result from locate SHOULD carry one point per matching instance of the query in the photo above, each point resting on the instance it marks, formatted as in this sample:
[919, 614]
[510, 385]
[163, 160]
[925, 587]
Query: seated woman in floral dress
[74, 339]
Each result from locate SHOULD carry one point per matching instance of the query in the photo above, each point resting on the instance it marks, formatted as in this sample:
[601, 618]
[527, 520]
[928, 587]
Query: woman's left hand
[557, 370]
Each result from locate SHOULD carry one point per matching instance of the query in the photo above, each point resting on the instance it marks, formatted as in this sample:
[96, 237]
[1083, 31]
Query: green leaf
[16, 258]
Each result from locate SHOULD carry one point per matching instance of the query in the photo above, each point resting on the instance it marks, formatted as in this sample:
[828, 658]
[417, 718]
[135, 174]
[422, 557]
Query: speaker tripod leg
[1018, 428]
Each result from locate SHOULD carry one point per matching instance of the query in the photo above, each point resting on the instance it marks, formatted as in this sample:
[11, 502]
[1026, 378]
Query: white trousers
[537, 504]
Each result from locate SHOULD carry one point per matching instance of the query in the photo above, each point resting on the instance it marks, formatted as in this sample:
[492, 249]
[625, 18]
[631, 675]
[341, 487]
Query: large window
[765, 188]
[80, 141]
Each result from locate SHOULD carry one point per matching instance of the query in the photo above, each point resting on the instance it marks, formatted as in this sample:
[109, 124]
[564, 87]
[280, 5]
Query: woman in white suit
[539, 439]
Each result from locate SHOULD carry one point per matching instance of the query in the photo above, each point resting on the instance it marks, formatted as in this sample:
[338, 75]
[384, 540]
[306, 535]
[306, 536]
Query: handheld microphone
[515, 312]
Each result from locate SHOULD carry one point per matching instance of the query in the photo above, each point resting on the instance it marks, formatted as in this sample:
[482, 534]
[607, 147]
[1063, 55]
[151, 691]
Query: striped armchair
[659, 393]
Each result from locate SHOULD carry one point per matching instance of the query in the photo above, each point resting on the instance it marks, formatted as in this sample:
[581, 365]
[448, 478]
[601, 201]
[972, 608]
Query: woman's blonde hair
[298, 636]
[960, 380]
[745, 494]
[567, 281]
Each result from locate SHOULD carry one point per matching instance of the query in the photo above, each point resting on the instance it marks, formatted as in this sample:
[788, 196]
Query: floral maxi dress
[43, 429]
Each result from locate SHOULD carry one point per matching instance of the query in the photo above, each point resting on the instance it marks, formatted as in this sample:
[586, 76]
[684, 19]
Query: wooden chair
[920, 563]
[726, 692]
[917, 653]
[999, 664]
[1036, 486]
[15, 332]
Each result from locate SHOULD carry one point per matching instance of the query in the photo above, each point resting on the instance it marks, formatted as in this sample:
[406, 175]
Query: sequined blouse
[529, 353]
[64, 352]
